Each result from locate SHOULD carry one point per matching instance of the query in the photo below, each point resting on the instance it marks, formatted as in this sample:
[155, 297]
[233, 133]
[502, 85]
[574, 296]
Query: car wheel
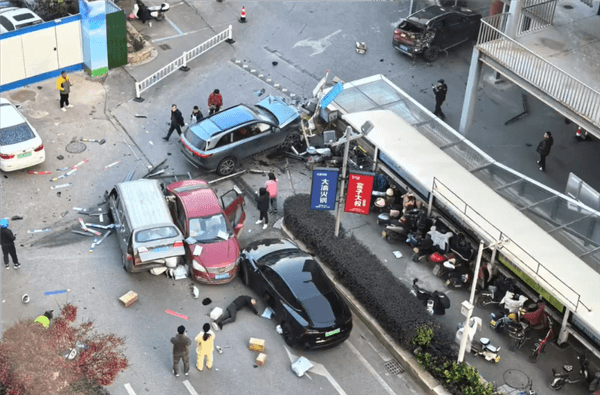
[244, 276]
[431, 53]
[287, 334]
[226, 166]
[291, 140]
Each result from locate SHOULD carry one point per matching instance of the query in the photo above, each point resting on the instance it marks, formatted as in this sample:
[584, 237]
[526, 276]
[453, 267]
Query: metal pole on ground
[340, 200]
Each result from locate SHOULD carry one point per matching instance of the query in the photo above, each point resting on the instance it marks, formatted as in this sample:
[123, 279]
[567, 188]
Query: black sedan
[311, 313]
[434, 29]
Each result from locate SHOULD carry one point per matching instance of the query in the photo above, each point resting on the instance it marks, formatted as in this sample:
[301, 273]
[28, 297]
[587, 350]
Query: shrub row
[386, 298]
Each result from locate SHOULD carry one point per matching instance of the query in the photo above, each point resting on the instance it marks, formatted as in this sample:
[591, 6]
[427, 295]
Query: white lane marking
[380, 353]
[130, 390]
[320, 370]
[318, 46]
[370, 368]
[189, 387]
[178, 35]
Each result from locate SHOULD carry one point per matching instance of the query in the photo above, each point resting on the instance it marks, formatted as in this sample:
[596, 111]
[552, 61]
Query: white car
[20, 145]
[13, 18]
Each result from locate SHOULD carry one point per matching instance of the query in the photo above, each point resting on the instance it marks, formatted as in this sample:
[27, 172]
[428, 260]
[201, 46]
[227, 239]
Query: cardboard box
[261, 359]
[257, 345]
[128, 299]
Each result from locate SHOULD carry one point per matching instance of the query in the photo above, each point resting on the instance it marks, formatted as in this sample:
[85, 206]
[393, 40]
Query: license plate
[404, 48]
[221, 276]
[160, 249]
[24, 155]
[333, 332]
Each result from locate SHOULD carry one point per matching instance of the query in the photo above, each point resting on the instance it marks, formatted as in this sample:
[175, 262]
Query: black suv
[434, 29]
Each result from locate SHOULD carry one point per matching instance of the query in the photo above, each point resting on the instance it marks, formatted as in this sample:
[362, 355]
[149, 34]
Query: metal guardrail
[561, 86]
[516, 252]
[181, 62]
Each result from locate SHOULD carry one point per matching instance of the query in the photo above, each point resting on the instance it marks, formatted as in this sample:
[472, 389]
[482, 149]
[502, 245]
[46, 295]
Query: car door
[118, 217]
[254, 139]
[233, 207]
[456, 30]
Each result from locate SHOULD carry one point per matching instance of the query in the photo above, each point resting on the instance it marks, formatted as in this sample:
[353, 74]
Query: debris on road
[361, 48]
[25, 298]
[216, 313]
[93, 141]
[62, 169]
[185, 317]
[301, 366]
[195, 291]
[206, 301]
[16, 217]
[129, 298]
[256, 344]
[279, 330]
[179, 273]
[140, 116]
[79, 164]
[62, 291]
[82, 233]
[103, 238]
[268, 313]
[261, 359]
[111, 165]
[109, 226]
[397, 254]
[39, 230]
[93, 245]
[39, 172]
[61, 186]
[219, 349]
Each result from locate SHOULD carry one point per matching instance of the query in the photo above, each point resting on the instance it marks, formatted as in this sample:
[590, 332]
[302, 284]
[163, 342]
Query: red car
[210, 228]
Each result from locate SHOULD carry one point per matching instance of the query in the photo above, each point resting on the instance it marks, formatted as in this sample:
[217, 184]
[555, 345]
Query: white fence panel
[12, 62]
[40, 52]
[68, 40]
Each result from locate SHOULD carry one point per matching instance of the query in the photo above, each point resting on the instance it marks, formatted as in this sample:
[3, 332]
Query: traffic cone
[243, 15]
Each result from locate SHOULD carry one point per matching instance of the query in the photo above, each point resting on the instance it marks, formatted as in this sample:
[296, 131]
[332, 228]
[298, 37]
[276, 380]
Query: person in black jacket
[7, 239]
[263, 206]
[440, 91]
[544, 149]
[239, 303]
[181, 350]
[176, 122]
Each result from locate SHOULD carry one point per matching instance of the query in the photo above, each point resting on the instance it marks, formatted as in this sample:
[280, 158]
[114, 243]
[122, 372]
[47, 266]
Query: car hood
[284, 112]
[324, 311]
[217, 254]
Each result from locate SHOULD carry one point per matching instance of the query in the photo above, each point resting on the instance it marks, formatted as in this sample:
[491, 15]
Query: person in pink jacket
[271, 186]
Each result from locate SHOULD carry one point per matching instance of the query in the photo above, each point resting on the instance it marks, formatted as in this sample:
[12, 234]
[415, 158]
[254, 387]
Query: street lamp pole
[469, 305]
[338, 216]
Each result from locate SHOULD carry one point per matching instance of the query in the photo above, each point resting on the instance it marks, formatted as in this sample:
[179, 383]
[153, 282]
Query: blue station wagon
[224, 139]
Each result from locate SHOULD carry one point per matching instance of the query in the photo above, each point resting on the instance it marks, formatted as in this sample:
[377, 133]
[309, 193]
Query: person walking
[263, 206]
[63, 84]
[205, 346]
[176, 122]
[544, 149]
[181, 351]
[440, 91]
[271, 186]
[230, 313]
[215, 102]
[7, 239]
[196, 115]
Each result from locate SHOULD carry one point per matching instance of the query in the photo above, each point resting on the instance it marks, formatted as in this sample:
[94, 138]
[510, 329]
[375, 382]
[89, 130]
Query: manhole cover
[393, 367]
[516, 379]
[75, 147]
[164, 46]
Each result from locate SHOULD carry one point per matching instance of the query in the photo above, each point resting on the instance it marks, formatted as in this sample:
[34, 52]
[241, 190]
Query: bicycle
[539, 347]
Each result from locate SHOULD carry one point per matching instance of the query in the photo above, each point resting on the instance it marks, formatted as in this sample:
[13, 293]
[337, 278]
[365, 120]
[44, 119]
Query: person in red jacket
[215, 102]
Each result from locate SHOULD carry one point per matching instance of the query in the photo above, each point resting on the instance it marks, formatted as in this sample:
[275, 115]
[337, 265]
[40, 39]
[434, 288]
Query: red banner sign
[358, 198]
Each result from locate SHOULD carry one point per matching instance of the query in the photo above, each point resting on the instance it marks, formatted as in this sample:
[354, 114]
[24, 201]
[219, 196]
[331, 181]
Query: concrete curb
[405, 358]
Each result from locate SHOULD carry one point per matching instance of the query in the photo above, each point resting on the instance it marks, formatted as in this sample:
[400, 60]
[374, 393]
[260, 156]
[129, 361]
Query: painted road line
[178, 35]
[130, 390]
[320, 370]
[370, 368]
[190, 388]
[174, 26]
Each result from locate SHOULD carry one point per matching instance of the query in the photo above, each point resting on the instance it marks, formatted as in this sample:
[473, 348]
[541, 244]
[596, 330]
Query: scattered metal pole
[338, 217]
[239, 173]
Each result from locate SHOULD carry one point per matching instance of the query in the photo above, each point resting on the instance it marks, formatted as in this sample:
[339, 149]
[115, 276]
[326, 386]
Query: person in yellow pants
[205, 346]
